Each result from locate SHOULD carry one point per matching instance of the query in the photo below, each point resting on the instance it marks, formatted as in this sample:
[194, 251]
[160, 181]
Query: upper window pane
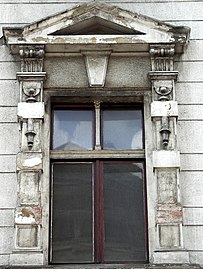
[122, 129]
[73, 130]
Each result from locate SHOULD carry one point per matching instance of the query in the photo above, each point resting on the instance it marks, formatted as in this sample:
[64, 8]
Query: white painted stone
[4, 259]
[193, 216]
[179, 11]
[7, 163]
[31, 110]
[163, 158]
[176, 257]
[8, 187]
[6, 217]
[8, 70]
[26, 259]
[9, 90]
[196, 257]
[9, 142]
[192, 237]
[168, 108]
[128, 72]
[191, 162]
[191, 189]
[195, 26]
[96, 66]
[189, 137]
[193, 51]
[5, 54]
[190, 112]
[189, 93]
[8, 114]
[29, 161]
[192, 71]
[6, 240]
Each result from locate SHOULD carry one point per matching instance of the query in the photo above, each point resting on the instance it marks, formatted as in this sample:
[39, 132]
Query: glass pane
[72, 129]
[124, 212]
[72, 213]
[122, 129]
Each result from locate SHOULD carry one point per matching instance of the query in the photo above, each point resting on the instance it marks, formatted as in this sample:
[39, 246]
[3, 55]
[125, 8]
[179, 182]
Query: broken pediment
[96, 25]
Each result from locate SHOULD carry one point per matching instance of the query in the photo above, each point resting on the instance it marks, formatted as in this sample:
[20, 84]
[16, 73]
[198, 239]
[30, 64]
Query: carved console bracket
[31, 58]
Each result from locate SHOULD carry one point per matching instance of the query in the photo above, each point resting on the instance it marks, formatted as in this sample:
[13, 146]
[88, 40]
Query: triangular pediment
[96, 26]
[97, 23]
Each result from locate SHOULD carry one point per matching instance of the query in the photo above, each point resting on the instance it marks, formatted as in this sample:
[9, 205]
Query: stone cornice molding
[135, 31]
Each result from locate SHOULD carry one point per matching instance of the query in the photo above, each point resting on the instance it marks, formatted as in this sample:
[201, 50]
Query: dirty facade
[101, 133]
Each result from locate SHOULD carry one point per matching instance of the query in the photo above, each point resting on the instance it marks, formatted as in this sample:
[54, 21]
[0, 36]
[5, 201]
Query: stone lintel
[166, 109]
[31, 110]
[163, 75]
[29, 161]
[166, 158]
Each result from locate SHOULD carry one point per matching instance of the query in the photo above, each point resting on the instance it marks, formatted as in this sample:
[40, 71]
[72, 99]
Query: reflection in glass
[124, 212]
[72, 213]
[122, 129]
[72, 130]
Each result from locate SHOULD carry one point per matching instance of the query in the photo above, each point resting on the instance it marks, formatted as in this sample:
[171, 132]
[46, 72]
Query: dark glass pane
[72, 239]
[72, 129]
[124, 212]
[122, 129]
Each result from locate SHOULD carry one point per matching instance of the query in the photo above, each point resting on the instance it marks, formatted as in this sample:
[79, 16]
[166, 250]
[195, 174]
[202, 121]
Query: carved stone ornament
[165, 131]
[31, 93]
[162, 57]
[31, 58]
[163, 92]
[30, 133]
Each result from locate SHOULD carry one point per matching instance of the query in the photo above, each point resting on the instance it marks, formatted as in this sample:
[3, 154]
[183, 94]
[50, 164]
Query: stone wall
[189, 89]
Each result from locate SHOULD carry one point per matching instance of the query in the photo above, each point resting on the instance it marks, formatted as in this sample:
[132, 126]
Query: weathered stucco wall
[189, 94]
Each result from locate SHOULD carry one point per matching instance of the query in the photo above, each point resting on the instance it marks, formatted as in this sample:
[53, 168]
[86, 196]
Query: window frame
[102, 154]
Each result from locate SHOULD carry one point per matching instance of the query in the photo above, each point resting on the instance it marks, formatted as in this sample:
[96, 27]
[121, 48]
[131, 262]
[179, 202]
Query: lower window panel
[98, 212]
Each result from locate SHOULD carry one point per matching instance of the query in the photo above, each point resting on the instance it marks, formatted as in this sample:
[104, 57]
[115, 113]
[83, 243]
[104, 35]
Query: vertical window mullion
[99, 214]
[97, 125]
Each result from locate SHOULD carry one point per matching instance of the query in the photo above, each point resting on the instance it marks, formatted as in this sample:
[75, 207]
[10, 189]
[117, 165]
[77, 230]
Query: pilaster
[166, 157]
[28, 213]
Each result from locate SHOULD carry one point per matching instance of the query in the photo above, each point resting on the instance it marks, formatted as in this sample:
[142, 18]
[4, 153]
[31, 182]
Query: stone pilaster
[166, 157]
[28, 215]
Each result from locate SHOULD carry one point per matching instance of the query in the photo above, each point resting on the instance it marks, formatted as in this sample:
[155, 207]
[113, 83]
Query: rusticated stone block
[169, 236]
[167, 186]
[28, 188]
[27, 236]
[29, 161]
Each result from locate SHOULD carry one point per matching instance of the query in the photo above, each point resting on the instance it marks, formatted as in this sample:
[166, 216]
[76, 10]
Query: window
[98, 184]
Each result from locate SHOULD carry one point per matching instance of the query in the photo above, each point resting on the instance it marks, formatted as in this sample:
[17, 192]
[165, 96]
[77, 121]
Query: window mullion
[97, 125]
